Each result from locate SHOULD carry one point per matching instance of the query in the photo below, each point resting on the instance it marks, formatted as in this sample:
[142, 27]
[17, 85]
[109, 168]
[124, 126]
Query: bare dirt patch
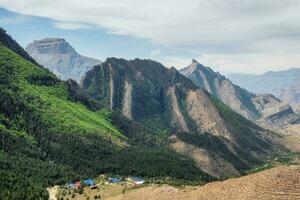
[279, 183]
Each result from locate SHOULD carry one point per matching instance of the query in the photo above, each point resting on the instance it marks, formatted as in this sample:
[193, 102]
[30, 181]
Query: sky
[230, 36]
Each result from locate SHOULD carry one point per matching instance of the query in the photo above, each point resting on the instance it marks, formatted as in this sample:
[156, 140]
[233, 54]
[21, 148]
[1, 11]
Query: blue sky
[92, 42]
[229, 36]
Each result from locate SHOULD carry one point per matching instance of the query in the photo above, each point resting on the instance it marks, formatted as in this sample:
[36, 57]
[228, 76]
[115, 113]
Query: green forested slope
[46, 137]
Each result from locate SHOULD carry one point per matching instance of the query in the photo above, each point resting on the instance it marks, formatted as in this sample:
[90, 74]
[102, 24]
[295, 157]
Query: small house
[114, 180]
[136, 180]
[89, 182]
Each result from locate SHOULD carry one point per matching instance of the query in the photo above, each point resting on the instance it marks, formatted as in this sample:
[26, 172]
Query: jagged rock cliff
[221, 87]
[61, 58]
[168, 103]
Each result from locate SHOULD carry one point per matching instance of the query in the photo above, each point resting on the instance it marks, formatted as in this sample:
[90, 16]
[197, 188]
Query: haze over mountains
[60, 57]
[283, 84]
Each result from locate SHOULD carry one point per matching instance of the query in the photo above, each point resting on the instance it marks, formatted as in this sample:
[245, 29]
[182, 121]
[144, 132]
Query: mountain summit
[61, 58]
[216, 84]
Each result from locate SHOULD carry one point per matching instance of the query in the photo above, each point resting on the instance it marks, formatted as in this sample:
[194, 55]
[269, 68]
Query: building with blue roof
[89, 182]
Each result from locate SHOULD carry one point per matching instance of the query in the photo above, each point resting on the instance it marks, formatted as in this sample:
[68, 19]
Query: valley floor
[281, 182]
[278, 183]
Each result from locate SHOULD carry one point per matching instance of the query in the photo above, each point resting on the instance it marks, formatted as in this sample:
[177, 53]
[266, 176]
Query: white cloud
[210, 27]
[208, 23]
[70, 26]
[155, 53]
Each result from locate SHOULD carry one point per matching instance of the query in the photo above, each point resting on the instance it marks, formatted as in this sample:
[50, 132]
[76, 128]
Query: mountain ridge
[265, 110]
[283, 84]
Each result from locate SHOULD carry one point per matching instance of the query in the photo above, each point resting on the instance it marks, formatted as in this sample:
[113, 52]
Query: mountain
[60, 57]
[196, 123]
[275, 114]
[52, 132]
[283, 84]
[265, 109]
[291, 95]
[221, 87]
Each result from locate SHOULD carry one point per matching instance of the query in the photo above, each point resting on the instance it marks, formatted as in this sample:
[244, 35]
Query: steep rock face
[266, 110]
[177, 118]
[61, 58]
[142, 88]
[205, 115]
[167, 102]
[237, 98]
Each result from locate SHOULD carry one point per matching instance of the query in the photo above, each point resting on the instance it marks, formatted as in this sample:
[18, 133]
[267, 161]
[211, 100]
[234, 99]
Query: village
[101, 187]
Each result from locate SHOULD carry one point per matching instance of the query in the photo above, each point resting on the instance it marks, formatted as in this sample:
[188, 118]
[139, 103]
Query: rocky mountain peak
[61, 58]
[194, 61]
[50, 46]
[222, 88]
[196, 64]
[193, 67]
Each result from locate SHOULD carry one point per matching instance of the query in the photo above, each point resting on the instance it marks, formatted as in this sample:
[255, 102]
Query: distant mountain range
[264, 109]
[283, 84]
[60, 57]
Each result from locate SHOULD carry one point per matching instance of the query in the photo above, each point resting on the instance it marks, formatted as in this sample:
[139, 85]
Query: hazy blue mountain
[283, 84]
[61, 58]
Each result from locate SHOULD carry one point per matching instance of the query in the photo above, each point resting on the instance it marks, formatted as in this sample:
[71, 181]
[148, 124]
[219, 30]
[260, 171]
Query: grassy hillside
[48, 138]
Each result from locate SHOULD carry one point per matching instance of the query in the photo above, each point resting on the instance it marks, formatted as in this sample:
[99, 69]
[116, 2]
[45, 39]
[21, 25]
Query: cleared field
[102, 192]
[279, 183]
